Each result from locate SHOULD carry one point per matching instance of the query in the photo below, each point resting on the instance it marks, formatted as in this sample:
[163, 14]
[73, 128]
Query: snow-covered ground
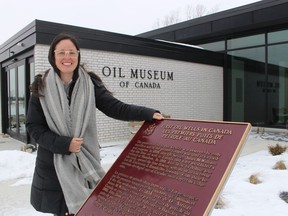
[240, 197]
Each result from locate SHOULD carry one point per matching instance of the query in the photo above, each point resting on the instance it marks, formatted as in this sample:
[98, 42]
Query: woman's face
[66, 57]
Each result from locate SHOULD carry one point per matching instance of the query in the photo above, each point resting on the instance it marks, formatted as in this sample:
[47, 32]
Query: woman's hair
[38, 84]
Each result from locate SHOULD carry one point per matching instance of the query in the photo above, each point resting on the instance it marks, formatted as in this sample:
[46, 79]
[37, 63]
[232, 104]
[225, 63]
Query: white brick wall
[196, 91]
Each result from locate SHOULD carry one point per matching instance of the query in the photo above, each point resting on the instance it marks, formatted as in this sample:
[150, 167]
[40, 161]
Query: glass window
[242, 42]
[21, 99]
[17, 99]
[215, 46]
[279, 36]
[246, 85]
[12, 100]
[255, 54]
[277, 86]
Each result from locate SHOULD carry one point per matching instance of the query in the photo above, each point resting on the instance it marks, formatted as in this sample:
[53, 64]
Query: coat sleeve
[117, 109]
[38, 129]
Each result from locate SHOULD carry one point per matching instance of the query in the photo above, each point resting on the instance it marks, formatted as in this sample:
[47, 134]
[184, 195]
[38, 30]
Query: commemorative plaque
[170, 167]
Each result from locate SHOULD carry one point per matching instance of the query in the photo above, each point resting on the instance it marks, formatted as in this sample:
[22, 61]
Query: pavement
[8, 143]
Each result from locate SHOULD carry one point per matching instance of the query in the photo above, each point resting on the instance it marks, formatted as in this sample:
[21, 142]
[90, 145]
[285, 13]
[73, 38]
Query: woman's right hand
[158, 116]
[75, 145]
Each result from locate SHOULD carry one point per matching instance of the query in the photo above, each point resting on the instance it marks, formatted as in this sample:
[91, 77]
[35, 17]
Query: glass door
[11, 76]
[278, 85]
[17, 100]
[248, 86]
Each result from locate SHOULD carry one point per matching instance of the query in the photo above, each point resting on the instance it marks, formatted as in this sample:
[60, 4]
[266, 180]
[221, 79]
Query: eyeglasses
[64, 53]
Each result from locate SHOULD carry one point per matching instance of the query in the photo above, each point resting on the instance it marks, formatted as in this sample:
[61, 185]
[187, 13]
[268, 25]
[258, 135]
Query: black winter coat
[46, 192]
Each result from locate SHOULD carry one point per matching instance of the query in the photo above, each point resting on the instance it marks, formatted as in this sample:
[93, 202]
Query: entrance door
[17, 97]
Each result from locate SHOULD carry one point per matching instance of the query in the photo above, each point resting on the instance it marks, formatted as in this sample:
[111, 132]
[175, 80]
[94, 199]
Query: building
[179, 80]
[254, 41]
[239, 75]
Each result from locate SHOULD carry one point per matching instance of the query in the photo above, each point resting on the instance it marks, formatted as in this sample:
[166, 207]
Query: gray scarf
[78, 173]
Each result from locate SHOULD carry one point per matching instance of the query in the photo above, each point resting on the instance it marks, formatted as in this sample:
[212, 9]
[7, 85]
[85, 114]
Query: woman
[62, 119]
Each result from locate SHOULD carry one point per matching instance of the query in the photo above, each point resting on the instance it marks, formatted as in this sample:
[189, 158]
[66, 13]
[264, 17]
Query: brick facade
[185, 90]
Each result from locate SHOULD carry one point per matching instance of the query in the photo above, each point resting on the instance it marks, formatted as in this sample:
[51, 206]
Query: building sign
[137, 77]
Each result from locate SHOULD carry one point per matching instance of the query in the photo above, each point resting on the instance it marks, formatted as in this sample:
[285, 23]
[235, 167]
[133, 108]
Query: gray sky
[121, 16]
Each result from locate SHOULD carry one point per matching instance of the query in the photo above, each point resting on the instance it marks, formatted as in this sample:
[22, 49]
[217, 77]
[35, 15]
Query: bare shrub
[280, 165]
[277, 149]
[220, 204]
[254, 179]
[284, 196]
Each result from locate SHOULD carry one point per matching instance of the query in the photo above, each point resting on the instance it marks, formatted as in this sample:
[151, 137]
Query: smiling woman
[62, 119]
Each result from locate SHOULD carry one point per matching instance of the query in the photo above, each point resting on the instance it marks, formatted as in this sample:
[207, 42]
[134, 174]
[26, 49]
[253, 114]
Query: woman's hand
[158, 116]
[75, 144]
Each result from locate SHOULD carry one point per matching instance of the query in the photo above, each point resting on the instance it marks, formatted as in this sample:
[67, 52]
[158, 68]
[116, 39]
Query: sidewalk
[261, 139]
[8, 143]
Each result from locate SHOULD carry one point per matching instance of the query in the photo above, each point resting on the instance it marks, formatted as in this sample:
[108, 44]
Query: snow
[240, 197]
[244, 198]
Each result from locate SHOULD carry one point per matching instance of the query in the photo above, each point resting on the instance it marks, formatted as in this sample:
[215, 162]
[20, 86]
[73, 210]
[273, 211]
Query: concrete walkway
[261, 139]
[8, 143]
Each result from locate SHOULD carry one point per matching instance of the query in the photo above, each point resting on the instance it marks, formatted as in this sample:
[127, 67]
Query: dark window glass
[242, 42]
[277, 86]
[215, 46]
[21, 99]
[12, 100]
[246, 93]
[279, 36]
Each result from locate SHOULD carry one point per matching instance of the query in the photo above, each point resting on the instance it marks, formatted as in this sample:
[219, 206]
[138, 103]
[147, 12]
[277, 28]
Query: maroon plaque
[170, 167]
